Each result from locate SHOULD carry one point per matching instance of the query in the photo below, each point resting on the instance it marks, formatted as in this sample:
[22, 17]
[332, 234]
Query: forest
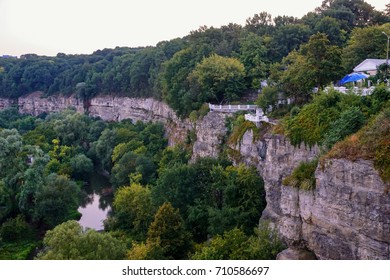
[216, 65]
[212, 206]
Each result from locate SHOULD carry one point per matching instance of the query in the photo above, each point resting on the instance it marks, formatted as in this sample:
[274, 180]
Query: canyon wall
[6, 103]
[111, 108]
[347, 216]
[34, 104]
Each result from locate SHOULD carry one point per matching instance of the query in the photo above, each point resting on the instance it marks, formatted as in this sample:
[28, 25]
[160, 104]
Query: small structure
[231, 108]
[369, 66]
[258, 117]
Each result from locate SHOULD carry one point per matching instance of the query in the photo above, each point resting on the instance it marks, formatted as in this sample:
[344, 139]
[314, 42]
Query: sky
[48, 27]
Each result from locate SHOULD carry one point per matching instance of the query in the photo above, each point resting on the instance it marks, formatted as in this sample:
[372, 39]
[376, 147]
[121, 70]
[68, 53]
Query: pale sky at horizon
[47, 27]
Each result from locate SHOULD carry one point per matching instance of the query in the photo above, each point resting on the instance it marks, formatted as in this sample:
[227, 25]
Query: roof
[369, 65]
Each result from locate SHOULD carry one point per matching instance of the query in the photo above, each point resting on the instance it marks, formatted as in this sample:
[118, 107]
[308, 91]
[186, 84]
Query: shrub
[303, 176]
[350, 121]
[15, 229]
[372, 142]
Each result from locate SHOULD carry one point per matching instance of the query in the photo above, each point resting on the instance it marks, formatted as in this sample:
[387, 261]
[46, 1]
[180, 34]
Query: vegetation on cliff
[215, 64]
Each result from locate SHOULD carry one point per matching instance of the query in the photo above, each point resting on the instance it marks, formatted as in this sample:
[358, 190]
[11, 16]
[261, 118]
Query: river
[96, 206]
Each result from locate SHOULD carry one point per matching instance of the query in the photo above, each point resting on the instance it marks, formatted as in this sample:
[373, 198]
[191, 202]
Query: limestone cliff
[140, 109]
[6, 103]
[111, 109]
[347, 216]
[210, 133]
[35, 104]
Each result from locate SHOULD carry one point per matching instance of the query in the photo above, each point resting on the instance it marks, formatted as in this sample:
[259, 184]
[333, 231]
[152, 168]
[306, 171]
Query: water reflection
[96, 204]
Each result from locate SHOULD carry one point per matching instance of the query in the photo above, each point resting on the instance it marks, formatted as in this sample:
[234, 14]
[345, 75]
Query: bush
[350, 121]
[265, 244]
[372, 142]
[267, 98]
[15, 229]
[328, 119]
[303, 176]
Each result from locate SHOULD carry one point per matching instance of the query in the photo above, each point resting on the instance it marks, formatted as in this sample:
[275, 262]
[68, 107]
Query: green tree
[167, 230]
[316, 64]
[365, 43]
[218, 79]
[179, 186]
[230, 246]
[268, 97]
[81, 166]
[323, 59]
[235, 245]
[133, 210]
[57, 200]
[332, 28]
[68, 241]
[253, 57]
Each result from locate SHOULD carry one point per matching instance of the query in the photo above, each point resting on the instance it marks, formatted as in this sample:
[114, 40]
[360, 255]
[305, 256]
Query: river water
[96, 206]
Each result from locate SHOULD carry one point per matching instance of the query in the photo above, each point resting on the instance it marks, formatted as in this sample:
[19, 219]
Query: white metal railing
[232, 108]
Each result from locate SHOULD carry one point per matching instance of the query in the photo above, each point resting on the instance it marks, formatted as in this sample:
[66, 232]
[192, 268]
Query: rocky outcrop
[35, 104]
[6, 103]
[211, 131]
[111, 108]
[347, 216]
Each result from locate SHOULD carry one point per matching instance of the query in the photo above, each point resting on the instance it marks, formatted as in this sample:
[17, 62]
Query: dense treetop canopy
[175, 70]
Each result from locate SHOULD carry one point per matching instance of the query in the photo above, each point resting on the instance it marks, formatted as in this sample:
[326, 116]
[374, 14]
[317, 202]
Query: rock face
[252, 151]
[34, 104]
[211, 131]
[111, 109]
[6, 103]
[347, 216]
[141, 109]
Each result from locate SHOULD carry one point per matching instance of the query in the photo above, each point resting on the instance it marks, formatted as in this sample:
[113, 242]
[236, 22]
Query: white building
[369, 66]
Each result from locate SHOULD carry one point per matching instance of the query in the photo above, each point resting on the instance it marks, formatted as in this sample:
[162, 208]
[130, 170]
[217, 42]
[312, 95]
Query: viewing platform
[256, 118]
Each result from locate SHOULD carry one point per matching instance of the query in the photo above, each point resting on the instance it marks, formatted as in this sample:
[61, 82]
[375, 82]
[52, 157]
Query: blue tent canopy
[353, 77]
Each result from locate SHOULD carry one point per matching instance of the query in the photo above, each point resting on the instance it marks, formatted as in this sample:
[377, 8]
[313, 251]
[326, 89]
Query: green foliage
[303, 176]
[17, 251]
[167, 230]
[16, 229]
[217, 79]
[322, 116]
[146, 251]
[235, 245]
[240, 126]
[266, 243]
[68, 241]
[368, 42]
[253, 57]
[133, 210]
[57, 200]
[317, 63]
[350, 121]
[268, 97]
[230, 246]
[371, 143]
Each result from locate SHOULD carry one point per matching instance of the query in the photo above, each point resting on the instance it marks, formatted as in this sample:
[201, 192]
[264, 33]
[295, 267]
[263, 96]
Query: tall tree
[218, 79]
[365, 43]
[168, 231]
[133, 210]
